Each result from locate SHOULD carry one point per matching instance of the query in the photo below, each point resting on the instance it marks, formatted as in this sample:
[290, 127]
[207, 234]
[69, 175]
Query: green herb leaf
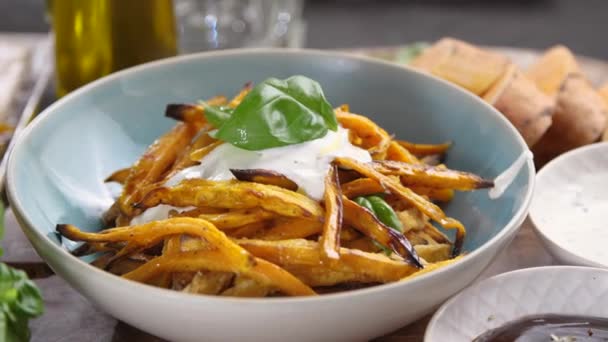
[279, 113]
[1, 224]
[20, 300]
[411, 51]
[385, 213]
[365, 203]
[216, 115]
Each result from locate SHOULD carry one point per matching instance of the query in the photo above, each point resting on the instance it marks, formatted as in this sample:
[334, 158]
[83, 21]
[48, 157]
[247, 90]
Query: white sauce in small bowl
[570, 207]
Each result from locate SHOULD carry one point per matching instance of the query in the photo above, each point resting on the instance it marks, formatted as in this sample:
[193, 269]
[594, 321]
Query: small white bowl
[565, 290]
[570, 206]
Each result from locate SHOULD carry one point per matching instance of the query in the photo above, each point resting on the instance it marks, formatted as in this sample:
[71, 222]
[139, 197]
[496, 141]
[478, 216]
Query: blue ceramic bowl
[56, 172]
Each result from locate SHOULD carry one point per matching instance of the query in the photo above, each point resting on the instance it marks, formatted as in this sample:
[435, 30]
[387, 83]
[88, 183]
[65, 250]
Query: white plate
[566, 290]
[570, 207]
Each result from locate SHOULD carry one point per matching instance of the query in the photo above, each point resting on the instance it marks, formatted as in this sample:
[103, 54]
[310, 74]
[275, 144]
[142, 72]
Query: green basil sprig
[20, 300]
[275, 113]
[384, 212]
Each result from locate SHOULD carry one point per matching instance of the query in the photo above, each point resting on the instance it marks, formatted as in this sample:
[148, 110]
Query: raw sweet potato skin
[603, 91]
[464, 64]
[552, 69]
[520, 101]
[580, 118]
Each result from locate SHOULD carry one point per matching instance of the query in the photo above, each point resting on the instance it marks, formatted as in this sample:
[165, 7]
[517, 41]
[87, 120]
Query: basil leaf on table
[20, 300]
[1, 225]
[278, 113]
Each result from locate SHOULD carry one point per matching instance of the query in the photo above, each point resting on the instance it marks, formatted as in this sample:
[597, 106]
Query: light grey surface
[352, 23]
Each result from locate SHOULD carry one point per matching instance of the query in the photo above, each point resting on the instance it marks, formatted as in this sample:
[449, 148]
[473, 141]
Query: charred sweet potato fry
[234, 195]
[119, 176]
[191, 113]
[110, 216]
[432, 177]
[88, 248]
[144, 236]
[249, 230]
[375, 139]
[200, 153]
[193, 261]
[364, 244]
[348, 233]
[155, 161]
[361, 187]
[231, 219]
[366, 222]
[210, 283]
[430, 267]
[330, 237]
[399, 153]
[221, 255]
[241, 95]
[188, 113]
[184, 160]
[439, 195]
[292, 228]
[303, 258]
[424, 149]
[410, 197]
[125, 265]
[246, 287]
[265, 177]
[435, 234]
[434, 252]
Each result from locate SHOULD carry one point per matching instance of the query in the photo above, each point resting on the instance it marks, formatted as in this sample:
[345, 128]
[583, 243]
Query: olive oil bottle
[96, 37]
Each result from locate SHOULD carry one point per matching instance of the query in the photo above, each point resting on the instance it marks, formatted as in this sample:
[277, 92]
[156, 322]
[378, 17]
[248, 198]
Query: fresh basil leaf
[279, 113]
[20, 300]
[1, 224]
[411, 51]
[216, 115]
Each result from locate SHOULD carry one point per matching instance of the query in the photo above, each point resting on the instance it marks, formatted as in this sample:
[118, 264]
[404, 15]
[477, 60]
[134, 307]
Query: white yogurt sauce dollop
[306, 164]
[574, 214]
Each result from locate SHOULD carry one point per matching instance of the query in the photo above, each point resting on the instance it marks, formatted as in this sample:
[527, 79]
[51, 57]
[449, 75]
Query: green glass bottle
[96, 37]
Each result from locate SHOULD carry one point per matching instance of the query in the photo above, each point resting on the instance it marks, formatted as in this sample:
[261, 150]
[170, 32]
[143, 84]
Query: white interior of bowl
[570, 204]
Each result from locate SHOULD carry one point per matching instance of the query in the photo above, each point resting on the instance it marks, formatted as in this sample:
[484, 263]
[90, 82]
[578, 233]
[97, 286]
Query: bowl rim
[18, 207]
[507, 276]
[554, 165]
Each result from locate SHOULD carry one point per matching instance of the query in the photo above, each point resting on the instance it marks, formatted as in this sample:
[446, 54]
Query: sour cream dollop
[306, 164]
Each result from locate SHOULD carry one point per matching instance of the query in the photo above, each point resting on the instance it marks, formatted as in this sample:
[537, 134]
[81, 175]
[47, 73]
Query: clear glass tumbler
[222, 24]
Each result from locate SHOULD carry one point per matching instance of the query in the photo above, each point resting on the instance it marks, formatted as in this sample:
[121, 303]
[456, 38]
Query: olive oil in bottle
[96, 37]
[83, 50]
